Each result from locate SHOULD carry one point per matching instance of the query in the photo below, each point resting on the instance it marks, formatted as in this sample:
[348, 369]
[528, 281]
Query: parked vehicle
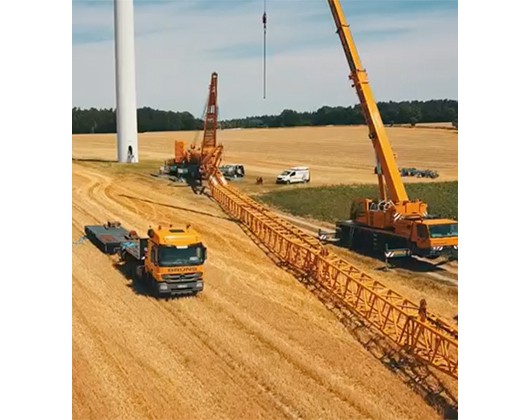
[232, 172]
[294, 175]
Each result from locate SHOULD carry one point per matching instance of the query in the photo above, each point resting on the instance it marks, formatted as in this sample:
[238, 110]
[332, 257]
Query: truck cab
[434, 237]
[174, 259]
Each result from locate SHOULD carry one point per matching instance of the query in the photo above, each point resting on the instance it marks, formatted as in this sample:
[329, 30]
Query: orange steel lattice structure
[426, 336]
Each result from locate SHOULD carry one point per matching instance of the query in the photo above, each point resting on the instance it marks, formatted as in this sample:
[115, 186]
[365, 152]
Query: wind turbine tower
[125, 81]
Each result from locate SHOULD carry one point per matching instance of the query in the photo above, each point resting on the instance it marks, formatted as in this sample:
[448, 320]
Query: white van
[294, 175]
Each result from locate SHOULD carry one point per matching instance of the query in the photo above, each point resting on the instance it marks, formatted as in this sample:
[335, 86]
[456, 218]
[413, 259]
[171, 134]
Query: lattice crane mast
[199, 163]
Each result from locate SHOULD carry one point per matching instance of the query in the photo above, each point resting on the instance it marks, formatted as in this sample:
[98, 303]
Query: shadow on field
[139, 287]
[415, 374]
[171, 182]
[422, 266]
[412, 372]
[94, 160]
[411, 265]
[196, 186]
[203, 213]
[407, 263]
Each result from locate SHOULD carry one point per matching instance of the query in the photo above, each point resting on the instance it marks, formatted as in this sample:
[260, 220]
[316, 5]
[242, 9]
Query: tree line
[85, 121]
[405, 112]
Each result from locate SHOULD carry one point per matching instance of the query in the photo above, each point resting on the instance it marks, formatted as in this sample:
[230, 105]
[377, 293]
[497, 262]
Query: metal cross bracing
[406, 323]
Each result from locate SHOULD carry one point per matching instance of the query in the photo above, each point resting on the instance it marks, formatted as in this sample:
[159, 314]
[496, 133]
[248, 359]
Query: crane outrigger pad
[108, 238]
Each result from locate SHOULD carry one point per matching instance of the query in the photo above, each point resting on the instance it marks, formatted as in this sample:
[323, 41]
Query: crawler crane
[394, 222]
[199, 163]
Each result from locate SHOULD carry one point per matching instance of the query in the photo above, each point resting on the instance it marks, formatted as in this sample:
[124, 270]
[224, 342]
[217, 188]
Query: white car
[294, 175]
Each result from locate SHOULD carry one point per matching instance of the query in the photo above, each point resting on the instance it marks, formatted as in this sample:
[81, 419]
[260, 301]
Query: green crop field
[333, 203]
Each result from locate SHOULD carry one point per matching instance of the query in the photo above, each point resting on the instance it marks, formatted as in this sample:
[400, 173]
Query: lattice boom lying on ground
[407, 324]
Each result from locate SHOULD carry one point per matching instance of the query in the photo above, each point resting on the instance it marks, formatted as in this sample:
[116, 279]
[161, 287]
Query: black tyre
[139, 272]
[152, 284]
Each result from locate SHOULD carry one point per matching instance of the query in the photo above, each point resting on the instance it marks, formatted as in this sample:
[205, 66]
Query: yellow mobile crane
[393, 222]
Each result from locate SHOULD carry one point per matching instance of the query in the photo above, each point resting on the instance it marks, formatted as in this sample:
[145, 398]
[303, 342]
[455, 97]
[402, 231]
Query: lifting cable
[264, 20]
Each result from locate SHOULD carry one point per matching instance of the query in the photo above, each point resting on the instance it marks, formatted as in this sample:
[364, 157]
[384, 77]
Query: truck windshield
[170, 256]
[443, 231]
[284, 173]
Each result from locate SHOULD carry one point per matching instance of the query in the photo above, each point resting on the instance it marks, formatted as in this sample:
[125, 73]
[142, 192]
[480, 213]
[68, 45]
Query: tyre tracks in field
[260, 386]
[162, 337]
[276, 342]
[255, 344]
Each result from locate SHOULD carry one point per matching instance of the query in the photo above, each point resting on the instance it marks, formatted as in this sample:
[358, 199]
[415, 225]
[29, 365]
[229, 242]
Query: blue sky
[409, 49]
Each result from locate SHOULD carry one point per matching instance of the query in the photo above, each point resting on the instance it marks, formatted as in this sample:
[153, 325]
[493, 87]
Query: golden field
[256, 343]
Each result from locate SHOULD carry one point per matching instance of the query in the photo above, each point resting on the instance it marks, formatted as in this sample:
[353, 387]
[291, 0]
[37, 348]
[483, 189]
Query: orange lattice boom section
[407, 324]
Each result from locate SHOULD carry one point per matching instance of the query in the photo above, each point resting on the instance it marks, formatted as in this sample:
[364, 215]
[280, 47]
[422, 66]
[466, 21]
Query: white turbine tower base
[125, 81]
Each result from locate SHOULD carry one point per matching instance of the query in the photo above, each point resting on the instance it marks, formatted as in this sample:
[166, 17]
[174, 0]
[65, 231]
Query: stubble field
[256, 343]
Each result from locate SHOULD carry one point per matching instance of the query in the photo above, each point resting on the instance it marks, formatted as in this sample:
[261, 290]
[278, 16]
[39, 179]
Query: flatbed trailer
[109, 239]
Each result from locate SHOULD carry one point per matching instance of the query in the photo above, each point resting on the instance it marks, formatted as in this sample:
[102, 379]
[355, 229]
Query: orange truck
[170, 260]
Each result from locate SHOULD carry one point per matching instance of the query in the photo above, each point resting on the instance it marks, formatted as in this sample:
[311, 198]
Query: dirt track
[255, 344]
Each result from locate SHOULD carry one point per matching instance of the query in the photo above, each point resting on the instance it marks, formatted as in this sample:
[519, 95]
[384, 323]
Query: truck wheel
[139, 272]
[153, 286]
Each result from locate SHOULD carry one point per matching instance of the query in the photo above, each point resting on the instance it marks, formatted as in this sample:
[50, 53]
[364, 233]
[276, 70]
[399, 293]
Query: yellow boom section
[409, 325]
[369, 106]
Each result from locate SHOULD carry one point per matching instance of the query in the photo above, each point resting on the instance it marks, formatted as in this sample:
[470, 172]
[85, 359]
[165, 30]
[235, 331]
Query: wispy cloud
[408, 47]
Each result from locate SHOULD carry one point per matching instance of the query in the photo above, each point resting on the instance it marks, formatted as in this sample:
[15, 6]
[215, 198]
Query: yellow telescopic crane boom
[371, 112]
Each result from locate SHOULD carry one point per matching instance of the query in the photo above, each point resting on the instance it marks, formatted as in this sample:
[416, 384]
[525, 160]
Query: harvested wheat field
[335, 154]
[256, 343]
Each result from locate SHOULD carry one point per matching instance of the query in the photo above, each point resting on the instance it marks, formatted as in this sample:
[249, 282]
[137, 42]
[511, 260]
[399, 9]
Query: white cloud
[407, 57]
